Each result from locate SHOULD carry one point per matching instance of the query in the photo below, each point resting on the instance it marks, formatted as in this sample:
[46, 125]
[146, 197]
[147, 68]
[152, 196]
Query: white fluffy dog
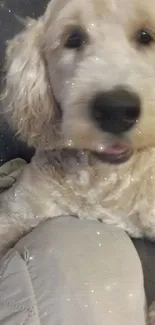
[80, 88]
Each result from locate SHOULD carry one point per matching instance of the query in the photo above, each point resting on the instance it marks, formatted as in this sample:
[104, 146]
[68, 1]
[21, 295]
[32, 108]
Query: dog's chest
[86, 194]
[71, 186]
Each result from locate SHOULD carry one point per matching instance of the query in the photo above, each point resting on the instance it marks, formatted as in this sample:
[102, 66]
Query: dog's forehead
[131, 13]
[109, 6]
[114, 6]
[122, 12]
[112, 10]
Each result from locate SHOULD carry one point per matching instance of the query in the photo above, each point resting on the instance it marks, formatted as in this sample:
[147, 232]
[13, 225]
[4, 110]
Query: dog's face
[95, 60]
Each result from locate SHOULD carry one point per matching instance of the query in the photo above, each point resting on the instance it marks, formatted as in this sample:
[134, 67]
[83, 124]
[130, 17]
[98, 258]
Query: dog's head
[83, 76]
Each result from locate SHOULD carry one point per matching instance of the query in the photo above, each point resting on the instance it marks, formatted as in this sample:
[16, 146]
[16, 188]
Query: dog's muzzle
[115, 111]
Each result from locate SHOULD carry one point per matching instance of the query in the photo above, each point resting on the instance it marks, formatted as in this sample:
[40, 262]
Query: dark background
[11, 148]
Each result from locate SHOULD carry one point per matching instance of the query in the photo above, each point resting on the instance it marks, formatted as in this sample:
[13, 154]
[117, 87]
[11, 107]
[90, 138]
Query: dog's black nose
[115, 111]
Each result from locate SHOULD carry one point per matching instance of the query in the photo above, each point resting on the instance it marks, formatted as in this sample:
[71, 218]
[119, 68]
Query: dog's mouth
[113, 150]
[116, 153]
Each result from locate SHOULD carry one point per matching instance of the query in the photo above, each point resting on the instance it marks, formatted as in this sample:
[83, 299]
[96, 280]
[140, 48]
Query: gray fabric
[10, 172]
[146, 251]
[71, 272]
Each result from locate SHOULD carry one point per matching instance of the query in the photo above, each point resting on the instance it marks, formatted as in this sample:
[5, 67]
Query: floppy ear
[27, 91]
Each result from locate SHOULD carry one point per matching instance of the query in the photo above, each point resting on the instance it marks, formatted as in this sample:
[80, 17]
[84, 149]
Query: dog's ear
[27, 92]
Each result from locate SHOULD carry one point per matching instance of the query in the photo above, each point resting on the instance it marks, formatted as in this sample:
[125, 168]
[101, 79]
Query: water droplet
[9, 10]
[30, 75]
[130, 295]
[100, 244]
[31, 257]
[96, 58]
[15, 194]
[86, 306]
[139, 131]
[37, 217]
[73, 84]
[50, 251]
[98, 233]
[70, 143]
[101, 148]
[68, 299]
[2, 4]
[86, 283]
[92, 291]
[45, 313]
[108, 287]
[110, 311]
[152, 177]
[91, 26]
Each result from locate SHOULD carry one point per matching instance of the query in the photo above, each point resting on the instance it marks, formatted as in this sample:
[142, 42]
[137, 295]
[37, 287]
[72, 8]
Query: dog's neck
[68, 160]
[71, 162]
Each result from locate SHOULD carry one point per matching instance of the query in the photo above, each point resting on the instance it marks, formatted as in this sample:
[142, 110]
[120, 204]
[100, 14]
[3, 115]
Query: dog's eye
[75, 40]
[144, 37]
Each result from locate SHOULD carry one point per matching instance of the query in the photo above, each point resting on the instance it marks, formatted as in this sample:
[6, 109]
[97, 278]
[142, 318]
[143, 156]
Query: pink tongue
[116, 149]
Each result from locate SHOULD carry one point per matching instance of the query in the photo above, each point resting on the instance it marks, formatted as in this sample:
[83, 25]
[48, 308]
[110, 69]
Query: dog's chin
[115, 150]
[114, 154]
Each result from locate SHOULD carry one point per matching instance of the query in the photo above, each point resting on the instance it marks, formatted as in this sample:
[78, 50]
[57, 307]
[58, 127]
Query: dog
[80, 89]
